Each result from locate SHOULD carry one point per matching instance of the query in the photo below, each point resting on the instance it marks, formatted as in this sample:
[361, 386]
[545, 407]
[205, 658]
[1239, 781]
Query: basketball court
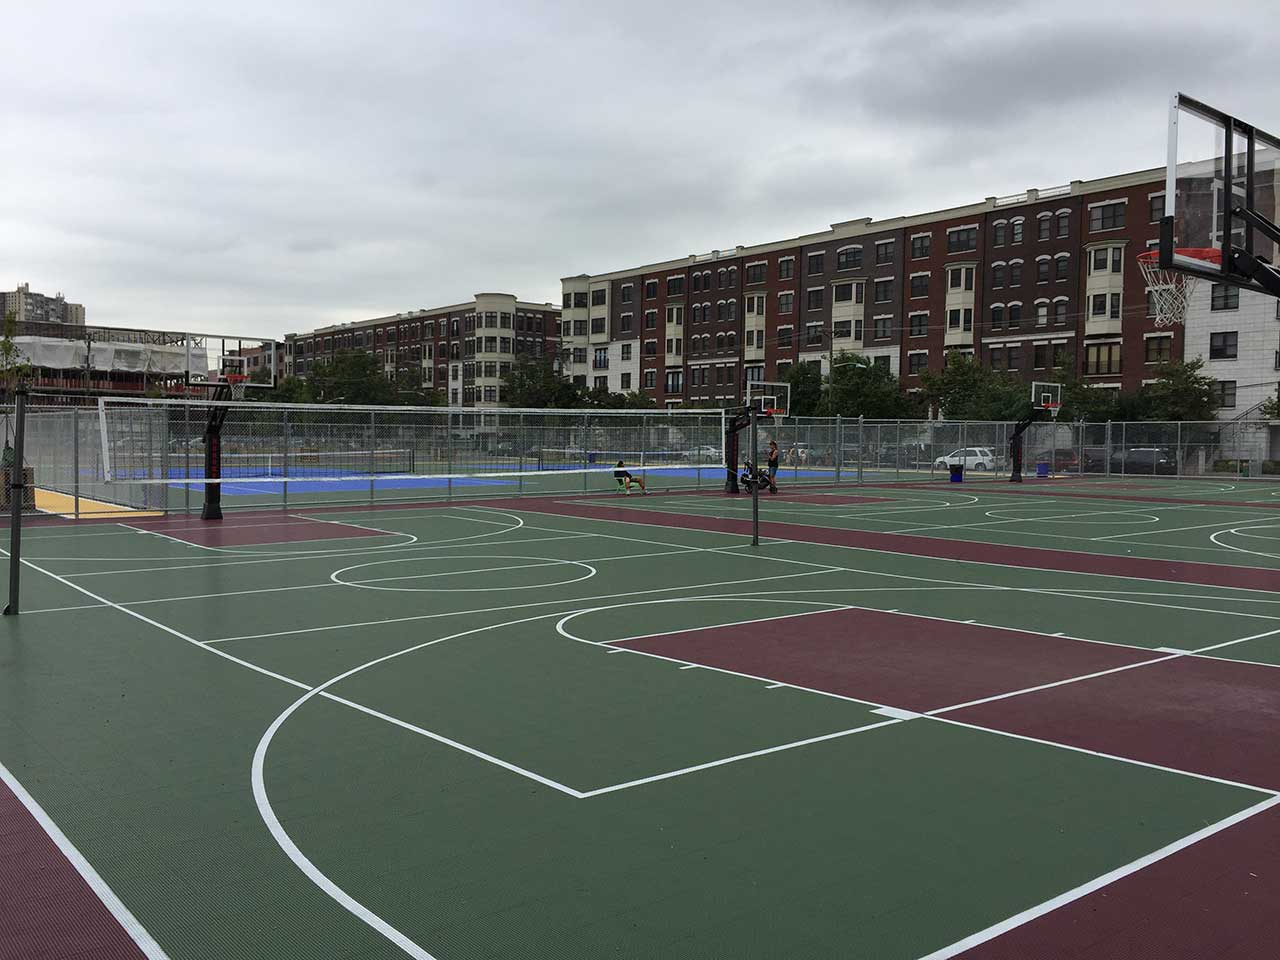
[876, 714]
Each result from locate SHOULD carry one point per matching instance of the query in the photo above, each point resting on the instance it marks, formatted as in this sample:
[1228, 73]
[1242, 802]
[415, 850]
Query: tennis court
[919, 720]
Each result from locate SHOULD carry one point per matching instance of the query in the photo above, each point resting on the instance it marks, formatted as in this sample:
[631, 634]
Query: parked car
[1063, 459]
[706, 452]
[973, 458]
[1144, 460]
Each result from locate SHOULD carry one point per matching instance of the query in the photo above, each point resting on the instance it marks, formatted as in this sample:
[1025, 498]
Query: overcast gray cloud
[266, 167]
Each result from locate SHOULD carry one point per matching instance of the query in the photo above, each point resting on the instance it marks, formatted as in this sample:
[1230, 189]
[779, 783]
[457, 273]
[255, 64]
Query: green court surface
[584, 727]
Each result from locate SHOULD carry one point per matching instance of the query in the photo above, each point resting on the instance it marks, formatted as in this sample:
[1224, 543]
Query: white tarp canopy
[160, 358]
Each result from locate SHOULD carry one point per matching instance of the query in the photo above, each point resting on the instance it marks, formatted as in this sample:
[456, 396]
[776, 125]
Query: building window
[601, 383]
[813, 335]
[849, 258]
[784, 336]
[626, 293]
[880, 327]
[1064, 224]
[626, 381]
[1155, 208]
[579, 328]
[920, 285]
[999, 234]
[755, 272]
[786, 302]
[816, 262]
[1098, 305]
[675, 315]
[920, 246]
[1106, 216]
[1222, 346]
[884, 252]
[1015, 231]
[883, 291]
[624, 323]
[843, 293]
[1159, 349]
[597, 324]
[1044, 226]
[597, 297]
[1224, 296]
[916, 363]
[998, 276]
[953, 319]
[651, 319]
[650, 289]
[579, 299]
[1100, 358]
[961, 239]
[1042, 314]
[1014, 314]
[814, 300]
[1115, 306]
[675, 286]
[650, 379]
[650, 348]
[1042, 271]
[1060, 312]
[1226, 393]
[1040, 356]
[842, 328]
[786, 268]
[1062, 267]
[918, 324]
[997, 317]
[1015, 274]
[626, 351]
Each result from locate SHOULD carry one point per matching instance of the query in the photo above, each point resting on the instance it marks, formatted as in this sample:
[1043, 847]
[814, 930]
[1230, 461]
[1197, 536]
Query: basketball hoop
[1053, 409]
[236, 382]
[1171, 288]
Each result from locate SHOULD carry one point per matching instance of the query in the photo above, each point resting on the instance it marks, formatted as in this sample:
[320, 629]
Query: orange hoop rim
[1212, 254]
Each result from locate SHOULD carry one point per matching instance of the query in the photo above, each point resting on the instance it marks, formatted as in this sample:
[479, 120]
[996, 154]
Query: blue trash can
[957, 472]
[1042, 470]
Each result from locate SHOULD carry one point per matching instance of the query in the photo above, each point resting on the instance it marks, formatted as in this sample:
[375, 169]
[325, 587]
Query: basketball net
[236, 382]
[1171, 289]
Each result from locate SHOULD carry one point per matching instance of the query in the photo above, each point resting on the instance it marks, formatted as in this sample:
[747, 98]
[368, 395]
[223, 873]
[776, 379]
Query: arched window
[731, 340]
[719, 341]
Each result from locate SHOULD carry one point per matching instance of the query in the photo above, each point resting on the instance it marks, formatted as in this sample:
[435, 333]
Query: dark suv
[1144, 460]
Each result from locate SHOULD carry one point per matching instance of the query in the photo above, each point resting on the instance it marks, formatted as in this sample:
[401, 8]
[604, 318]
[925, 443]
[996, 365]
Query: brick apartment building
[1026, 283]
[463, 349]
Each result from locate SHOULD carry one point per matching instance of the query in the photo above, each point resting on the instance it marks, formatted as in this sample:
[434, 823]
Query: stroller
[753, 476]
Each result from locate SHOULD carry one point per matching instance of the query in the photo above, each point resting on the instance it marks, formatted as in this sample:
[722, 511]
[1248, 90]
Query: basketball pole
[755, 487]
[17, 496]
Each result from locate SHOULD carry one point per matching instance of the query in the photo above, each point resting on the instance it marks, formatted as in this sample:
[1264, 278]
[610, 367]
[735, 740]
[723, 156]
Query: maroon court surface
[243, 530]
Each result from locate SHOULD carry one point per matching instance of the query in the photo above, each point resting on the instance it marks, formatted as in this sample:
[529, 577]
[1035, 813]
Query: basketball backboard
[771, 398]
[1220, 198]
[252, 358]
[1046, 396]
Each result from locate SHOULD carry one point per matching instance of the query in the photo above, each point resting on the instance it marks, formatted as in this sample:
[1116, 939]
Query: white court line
[916, 556]
[1097, 883]
[671, 774]
[1220, 524]
[137, 933]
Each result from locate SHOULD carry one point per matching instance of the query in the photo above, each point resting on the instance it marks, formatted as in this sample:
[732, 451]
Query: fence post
[586, 421]
[448, 452]
[839, 444]
[1124, 447]
[284, 463]
[520, 453]
[1106, 449]
[186, 458]
[861, 446]
[1178, 460]
[75, 461]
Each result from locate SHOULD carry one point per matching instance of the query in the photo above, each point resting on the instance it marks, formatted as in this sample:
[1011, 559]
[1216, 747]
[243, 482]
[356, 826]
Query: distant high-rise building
[28, 307]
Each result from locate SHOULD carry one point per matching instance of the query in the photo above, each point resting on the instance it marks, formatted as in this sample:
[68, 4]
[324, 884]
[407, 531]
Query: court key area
[919, 720]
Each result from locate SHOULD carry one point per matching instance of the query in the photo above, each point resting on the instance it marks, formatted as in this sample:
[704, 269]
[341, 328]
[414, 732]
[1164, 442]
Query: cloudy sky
[265, 167]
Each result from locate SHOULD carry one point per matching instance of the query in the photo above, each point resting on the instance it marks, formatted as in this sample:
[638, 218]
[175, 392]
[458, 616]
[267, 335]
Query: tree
[352, 376]
[858, 387]
[1179, 392]
[14, 368]
[1270, 408]
[806, 389]
[966, 390]
[534, 382]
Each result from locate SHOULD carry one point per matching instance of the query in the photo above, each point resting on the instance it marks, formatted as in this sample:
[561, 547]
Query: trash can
[1042, 470]
[957, 472]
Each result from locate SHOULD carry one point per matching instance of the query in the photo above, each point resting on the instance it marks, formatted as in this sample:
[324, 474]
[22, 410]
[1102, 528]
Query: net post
[186, 459]
[585, 454]
[284, 461]
[17, 494]
[755, 487]
[520, 452]
[372, 464]
[75, 462]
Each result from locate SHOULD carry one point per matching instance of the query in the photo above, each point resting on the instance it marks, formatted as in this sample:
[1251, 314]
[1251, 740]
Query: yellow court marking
[47, 501]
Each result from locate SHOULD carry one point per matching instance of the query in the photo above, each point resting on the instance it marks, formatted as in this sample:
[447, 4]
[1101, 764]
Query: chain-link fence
[150, 455]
